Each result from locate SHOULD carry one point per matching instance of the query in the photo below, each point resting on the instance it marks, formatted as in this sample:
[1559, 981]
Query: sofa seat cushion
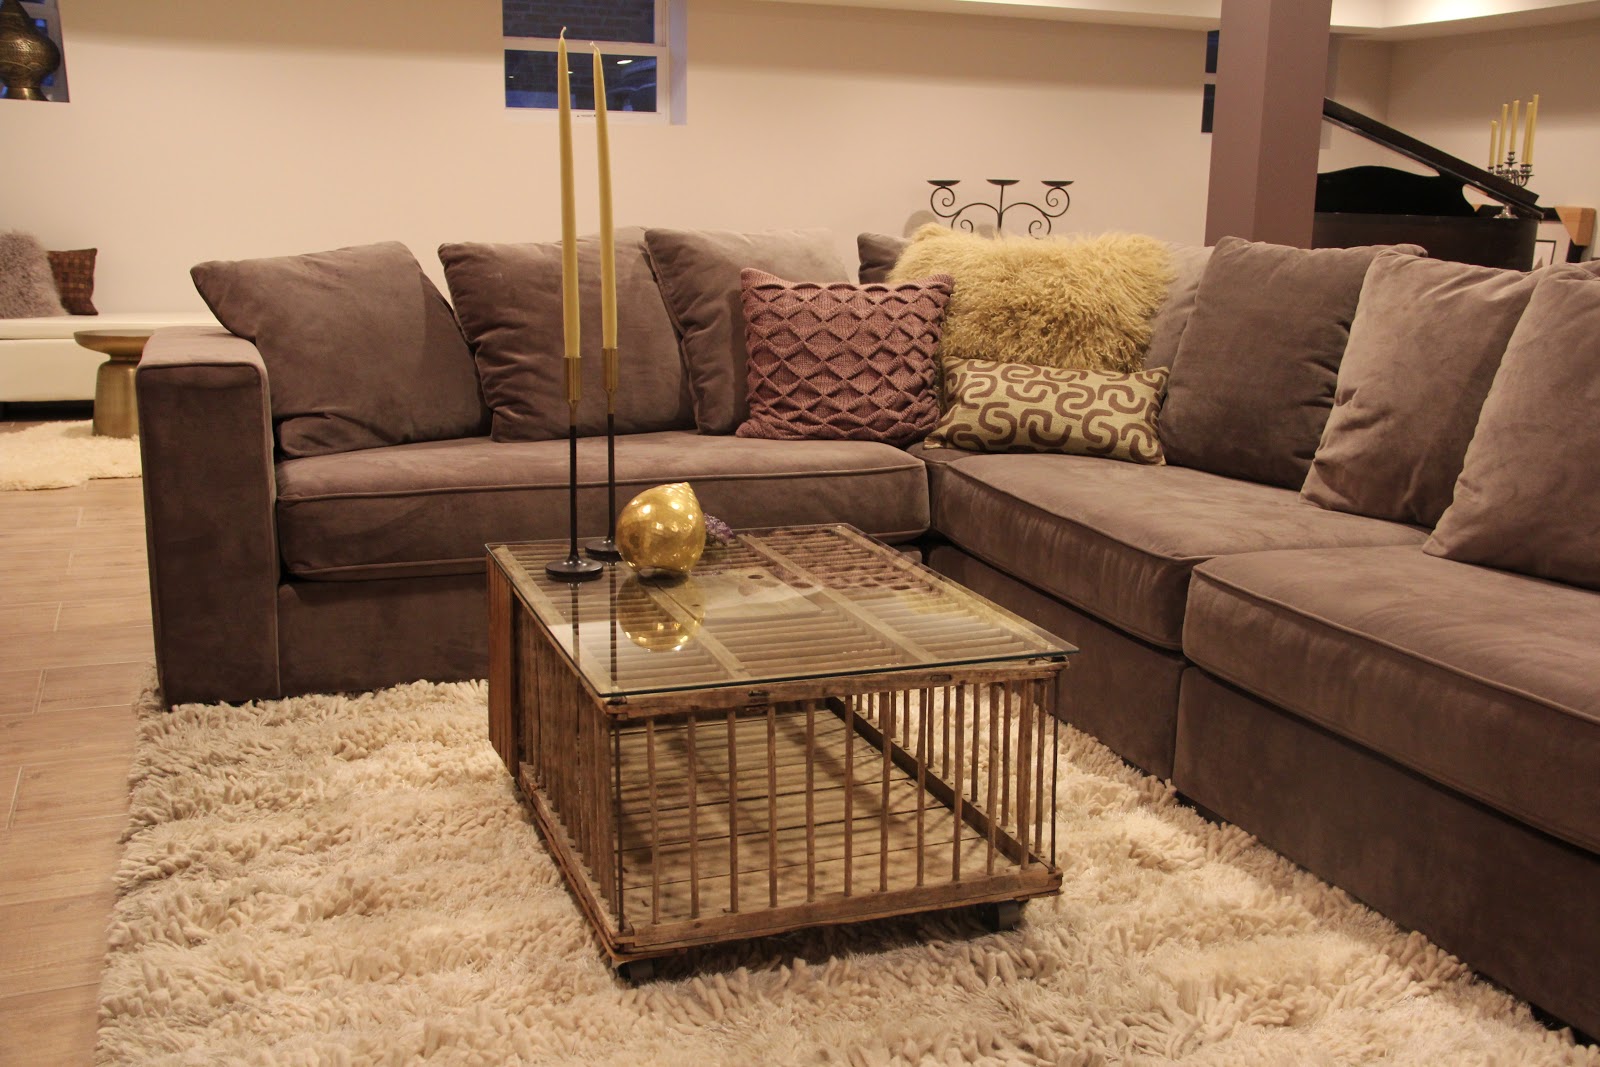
[1118, 540]
[1481, 680]
[430, 507]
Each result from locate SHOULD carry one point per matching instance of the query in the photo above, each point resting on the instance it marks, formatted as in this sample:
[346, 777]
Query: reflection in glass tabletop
[776, 605]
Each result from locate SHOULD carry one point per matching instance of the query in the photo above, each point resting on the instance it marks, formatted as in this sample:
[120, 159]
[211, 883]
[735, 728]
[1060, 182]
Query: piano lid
[1520, 200]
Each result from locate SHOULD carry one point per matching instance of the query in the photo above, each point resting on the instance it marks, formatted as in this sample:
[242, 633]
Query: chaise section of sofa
[1116, 543]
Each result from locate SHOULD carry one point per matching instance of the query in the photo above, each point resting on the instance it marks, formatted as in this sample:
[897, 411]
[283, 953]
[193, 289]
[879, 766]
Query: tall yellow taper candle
[1505, 125]
[569, 223]
[1511, 131]
[1527, 139]
[608, 250]
[1494, 142]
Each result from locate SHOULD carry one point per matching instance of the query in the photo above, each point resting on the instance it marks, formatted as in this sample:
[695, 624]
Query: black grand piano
[1382, 205]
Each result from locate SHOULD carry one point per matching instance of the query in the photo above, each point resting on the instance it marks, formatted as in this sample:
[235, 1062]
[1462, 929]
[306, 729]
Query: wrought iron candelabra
[1056, 201]
[1517, 174]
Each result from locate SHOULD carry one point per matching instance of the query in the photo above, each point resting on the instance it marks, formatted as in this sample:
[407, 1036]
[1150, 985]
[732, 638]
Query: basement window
[641, 48]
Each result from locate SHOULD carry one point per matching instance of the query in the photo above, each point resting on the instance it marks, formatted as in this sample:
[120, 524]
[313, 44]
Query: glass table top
[777, 605]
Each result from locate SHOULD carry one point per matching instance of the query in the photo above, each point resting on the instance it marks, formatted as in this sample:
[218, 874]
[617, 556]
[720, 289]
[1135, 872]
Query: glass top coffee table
[811, 729]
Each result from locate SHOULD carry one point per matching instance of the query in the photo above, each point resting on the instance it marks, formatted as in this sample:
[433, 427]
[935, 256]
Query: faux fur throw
[27, 288]
[1074, 302]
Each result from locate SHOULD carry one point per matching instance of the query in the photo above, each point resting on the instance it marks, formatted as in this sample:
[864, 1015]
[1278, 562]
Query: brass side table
[115, 412]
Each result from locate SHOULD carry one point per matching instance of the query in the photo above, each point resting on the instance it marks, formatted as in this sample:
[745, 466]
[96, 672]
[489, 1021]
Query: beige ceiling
[1379, 19]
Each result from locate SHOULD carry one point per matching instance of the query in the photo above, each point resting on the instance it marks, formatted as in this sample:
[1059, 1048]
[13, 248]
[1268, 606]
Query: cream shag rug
[58, 454]
[350, 880]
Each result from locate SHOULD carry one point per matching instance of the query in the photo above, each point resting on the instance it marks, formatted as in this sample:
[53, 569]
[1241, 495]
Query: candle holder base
[603, 548]
[573, 569]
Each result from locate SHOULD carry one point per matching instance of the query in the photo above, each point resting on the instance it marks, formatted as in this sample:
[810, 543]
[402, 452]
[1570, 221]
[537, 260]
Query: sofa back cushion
[360, 347]
[1172, 317]
[508, 299]
[1526, 499]
[842, 362]
[877, 253]
[1253, 378]
[698, 272]
[1424, 347]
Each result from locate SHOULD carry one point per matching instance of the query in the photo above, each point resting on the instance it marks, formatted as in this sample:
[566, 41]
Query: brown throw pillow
[73, 272]
[360, 348]
[508, 300]
[1526, 497]
[842, 362]
[878, 253]
[27, 289]
[1253, 379]
[698, 271]
[1426, 341]
[1018, 407]
[1084, 302]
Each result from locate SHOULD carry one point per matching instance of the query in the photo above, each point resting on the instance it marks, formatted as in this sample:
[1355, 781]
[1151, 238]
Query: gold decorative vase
[662, 530]
[27, 57]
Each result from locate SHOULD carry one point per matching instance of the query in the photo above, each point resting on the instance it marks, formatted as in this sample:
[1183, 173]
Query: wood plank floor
[75, 646]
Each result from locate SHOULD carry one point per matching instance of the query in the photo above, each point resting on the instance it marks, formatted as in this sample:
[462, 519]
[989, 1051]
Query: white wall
[1446, 90]
[200, 129]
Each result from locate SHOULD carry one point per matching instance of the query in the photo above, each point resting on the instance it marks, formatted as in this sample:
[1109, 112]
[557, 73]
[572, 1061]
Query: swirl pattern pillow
[1019, 407]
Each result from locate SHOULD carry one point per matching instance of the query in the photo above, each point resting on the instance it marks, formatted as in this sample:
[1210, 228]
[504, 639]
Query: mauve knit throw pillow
[842, 362]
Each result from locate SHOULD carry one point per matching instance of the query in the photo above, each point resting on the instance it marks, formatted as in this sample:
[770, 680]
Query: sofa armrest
[205, 437]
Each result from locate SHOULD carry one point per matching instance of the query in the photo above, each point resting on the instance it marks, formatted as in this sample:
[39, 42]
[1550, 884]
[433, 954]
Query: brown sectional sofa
[1421, 732]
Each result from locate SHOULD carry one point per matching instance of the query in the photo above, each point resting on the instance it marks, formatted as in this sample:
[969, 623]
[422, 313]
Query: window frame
[667, 51]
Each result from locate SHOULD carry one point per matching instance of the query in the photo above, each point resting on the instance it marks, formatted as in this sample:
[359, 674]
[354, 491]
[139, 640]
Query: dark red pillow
[74, 275]
[842, 362]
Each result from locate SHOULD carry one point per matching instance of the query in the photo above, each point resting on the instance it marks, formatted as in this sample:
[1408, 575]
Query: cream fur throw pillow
[27, 288]
[1074, 302]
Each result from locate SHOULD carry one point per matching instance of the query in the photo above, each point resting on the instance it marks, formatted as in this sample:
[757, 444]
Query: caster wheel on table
[636, 972]
[1002, 916]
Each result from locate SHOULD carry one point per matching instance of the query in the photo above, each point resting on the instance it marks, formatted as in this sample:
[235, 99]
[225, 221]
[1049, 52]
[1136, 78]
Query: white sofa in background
[39, 360]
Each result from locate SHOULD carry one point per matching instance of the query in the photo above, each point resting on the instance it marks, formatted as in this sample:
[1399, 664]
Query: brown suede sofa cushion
[1483, 681]
[1424, 347]
[1118, 540]
[878, 253]
[429, 509]
[360, 347]
[1253, 378]
[1527, 499]
[508, 300]
[698, 272]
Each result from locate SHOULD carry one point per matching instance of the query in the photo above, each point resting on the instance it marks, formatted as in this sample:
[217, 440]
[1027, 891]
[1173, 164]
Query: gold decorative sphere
[662, 530]
[652, 625]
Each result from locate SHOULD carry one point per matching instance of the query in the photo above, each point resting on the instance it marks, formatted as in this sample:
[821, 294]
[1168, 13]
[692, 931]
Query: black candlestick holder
[574, 568]
[1056, 201]
[605, 548]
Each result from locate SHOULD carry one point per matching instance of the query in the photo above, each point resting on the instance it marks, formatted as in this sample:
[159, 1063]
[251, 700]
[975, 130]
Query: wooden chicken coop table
[811, 729]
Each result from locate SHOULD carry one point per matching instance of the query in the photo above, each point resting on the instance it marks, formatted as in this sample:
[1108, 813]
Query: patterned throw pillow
[74, 275]
[1018, 407]
[842, 362]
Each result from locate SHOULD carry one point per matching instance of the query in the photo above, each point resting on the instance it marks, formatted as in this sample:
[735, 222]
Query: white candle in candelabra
[1511, 131]
[1527, 138]
[1494, 142]
[1505, 124]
